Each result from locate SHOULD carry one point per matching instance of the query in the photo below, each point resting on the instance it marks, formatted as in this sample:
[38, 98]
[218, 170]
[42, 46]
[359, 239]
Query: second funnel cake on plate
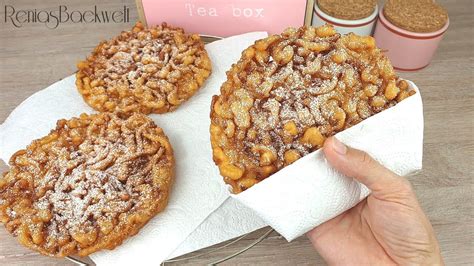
[289, 92]
[88, 185]
[144, 70]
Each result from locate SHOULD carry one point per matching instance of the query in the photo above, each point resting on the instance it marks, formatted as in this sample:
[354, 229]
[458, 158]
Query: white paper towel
[230, 220]
[309, 192]
[198, 189]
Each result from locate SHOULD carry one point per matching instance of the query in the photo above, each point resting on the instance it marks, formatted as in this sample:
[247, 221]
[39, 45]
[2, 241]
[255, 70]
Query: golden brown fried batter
[289, 92]
[144, 70]
[88, 185]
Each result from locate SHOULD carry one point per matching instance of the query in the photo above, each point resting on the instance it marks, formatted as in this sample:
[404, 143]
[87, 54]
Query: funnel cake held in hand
[144, 70]
[88, 185]
[289, 92]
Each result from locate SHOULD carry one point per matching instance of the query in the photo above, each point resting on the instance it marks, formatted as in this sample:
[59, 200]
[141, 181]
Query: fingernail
[339, 147]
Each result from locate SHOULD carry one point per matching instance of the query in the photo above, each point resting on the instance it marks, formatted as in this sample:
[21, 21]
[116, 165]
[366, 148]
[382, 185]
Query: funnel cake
[289, 92]
[88, 185]
[144, 70]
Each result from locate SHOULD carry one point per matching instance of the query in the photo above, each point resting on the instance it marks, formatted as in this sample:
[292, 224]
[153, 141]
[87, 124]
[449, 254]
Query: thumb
[360, 166]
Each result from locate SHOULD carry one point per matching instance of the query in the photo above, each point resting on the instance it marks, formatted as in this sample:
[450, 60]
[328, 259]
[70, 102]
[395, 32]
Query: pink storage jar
[408, 51]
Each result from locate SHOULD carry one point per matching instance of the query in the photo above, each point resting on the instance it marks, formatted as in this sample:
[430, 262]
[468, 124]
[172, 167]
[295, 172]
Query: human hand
[388, 227]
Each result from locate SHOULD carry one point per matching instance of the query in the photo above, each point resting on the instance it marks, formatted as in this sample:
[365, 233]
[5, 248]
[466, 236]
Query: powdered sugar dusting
[83, 190]
[305, 85]
[147, 70]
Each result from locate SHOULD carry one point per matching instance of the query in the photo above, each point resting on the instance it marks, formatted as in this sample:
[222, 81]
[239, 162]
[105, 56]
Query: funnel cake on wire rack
[144, 70]
[289, 92]
[88, 185]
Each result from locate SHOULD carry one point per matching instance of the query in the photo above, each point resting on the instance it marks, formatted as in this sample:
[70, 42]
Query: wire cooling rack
[81, 262]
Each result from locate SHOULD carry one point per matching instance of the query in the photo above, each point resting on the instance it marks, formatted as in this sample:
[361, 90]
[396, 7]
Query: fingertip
[334, 158]
[359, 165]
[334, 146]
[327, 146]
[350, 162]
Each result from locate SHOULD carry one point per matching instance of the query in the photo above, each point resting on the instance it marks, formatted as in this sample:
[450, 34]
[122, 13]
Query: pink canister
[408, 51]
